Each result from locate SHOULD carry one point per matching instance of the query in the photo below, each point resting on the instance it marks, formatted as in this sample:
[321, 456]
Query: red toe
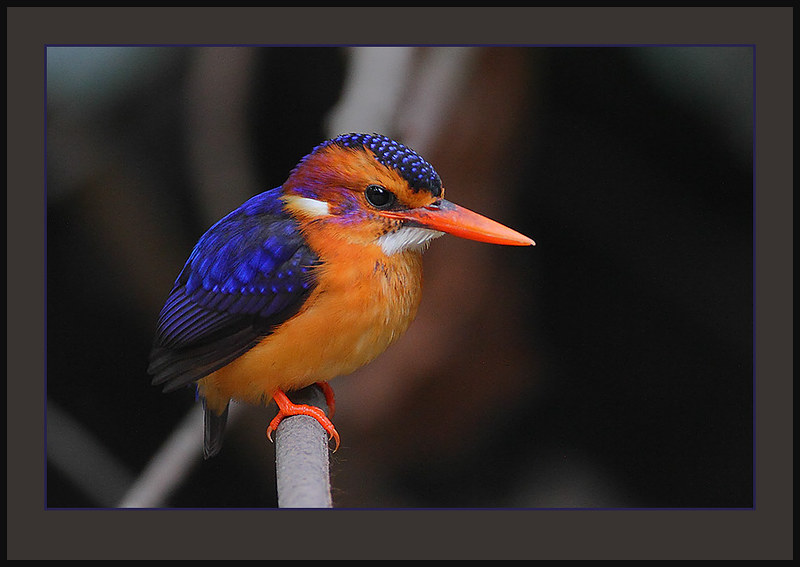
[287, 408]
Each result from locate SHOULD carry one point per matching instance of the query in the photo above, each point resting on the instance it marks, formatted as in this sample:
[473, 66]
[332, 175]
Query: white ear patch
[307, 206]
[407, 238]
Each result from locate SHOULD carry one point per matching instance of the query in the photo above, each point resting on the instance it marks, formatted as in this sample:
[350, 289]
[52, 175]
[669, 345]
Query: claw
[330, 399]
[287, 408]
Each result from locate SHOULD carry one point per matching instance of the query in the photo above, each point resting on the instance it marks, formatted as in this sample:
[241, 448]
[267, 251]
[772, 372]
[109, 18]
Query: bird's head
[368, 189]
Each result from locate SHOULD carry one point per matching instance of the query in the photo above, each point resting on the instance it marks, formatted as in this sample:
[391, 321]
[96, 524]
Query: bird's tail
[213, 430]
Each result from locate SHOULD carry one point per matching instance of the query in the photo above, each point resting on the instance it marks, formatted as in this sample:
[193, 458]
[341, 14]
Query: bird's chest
[371, 302]
[357, 309]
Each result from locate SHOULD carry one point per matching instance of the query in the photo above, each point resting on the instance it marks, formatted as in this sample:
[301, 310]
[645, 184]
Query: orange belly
[357, 310]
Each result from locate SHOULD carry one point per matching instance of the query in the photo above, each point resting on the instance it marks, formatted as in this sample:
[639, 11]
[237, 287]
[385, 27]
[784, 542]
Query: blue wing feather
[247, 274]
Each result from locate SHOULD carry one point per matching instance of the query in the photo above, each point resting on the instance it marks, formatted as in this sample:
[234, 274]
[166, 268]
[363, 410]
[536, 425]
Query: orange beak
[448, 217]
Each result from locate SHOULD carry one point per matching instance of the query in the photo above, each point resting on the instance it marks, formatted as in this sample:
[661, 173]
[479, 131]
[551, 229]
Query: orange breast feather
[360, 306]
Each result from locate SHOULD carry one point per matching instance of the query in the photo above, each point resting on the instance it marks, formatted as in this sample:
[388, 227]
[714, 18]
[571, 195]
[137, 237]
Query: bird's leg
[287, 408]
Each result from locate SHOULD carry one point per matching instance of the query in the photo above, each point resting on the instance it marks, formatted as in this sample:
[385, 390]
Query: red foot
[287, 408]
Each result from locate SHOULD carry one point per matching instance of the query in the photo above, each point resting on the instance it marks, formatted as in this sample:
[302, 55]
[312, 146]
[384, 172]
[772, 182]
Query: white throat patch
[406, 238]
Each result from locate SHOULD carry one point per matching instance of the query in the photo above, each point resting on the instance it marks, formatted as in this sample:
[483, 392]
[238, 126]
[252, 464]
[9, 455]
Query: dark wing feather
[249, 273]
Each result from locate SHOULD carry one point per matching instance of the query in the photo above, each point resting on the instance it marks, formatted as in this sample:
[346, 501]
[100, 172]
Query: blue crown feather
[419, 174]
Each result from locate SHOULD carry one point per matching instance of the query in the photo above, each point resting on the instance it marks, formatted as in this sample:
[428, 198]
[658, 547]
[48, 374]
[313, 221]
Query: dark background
[610, 366]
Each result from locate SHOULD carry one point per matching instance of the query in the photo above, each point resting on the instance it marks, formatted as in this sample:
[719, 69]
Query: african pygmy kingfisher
[308, 281]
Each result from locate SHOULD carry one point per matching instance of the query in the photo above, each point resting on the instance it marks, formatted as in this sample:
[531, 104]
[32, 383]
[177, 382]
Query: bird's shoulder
[254, 264]
[255, 252]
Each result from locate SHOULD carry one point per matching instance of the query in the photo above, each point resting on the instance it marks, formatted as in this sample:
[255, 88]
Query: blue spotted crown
[419, 174]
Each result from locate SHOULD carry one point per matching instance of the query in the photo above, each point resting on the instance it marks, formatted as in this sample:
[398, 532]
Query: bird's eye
[379, 197]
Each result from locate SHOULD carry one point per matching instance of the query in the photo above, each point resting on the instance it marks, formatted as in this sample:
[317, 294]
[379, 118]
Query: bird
[307, 281]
